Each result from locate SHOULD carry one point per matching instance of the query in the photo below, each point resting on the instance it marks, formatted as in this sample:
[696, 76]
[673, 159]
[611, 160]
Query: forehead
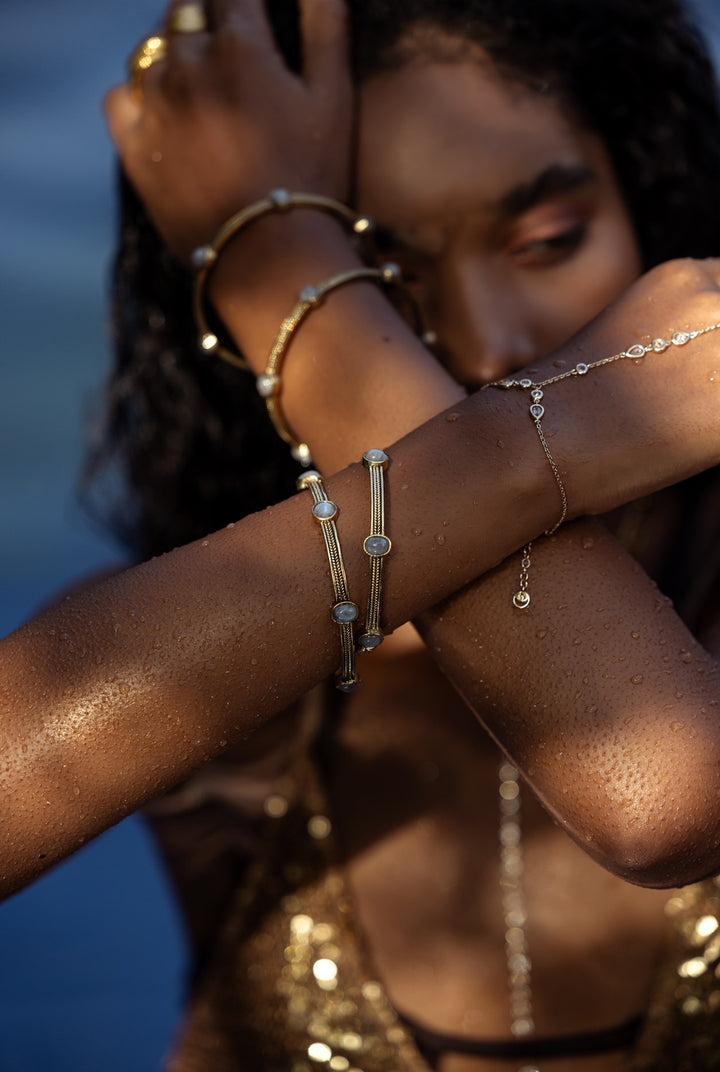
[456, 135]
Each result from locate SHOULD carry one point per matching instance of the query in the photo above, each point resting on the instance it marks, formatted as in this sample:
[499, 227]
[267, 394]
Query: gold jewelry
[376, 546]
[519, 966]
[269, 383]
[205, 257]
[521, 599]
[343, 611]
[152, 50]
[187, 18]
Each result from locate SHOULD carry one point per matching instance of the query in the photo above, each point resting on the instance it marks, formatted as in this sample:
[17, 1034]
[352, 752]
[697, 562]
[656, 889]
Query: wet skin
[511, 228]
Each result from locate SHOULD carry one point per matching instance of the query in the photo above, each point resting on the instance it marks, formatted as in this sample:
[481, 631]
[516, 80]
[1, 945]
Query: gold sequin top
[289, 986]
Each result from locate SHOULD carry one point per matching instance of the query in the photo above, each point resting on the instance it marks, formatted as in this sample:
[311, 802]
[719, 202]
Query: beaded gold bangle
[204, 257]
[343, 611]
[521, 599]
[377, 545]
[269, 384]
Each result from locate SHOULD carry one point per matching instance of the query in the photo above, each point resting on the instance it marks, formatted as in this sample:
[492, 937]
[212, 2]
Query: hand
[221, 120]
[639, 426]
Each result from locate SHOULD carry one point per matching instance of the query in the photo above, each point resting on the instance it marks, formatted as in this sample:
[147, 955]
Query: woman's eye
[549, 250]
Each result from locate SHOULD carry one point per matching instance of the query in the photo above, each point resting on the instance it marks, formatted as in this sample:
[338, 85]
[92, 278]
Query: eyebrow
[552, 182]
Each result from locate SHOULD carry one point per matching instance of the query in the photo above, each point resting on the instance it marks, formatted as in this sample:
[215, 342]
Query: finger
[122, 111]
[187, 17]
[325, 42]
[246, 18]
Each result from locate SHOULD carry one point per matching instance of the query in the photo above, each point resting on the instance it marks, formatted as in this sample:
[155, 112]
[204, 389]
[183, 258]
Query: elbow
[659, 853]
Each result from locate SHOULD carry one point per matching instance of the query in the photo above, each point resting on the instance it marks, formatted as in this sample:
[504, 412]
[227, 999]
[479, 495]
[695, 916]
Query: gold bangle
[205, 257]
[377, 545]
[521, 599]
[343, 611]
[269, 383]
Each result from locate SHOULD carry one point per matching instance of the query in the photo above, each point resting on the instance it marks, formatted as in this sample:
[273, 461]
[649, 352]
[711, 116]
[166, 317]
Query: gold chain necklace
[519, 965]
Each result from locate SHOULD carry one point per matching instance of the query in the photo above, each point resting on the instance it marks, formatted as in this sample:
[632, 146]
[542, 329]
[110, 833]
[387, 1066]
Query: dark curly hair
[187, 435]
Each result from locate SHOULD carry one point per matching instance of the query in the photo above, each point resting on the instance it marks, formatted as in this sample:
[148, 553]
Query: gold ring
[186, 19]
[151, 50]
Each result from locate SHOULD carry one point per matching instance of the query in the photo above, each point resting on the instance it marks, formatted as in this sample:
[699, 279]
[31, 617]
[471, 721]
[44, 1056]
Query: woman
[520, 209]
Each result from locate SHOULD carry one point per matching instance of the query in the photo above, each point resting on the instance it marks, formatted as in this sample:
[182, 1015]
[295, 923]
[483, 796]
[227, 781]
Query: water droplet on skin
[560, 364]
[416, 532]
[231, 525]
[577, 642]
[677, 726]
[637, 679]
[541, 634]
[587, 543]
[205, 543]
[404, 487]
[500, 444]
[451, 417]
[685, 657]
[679, 695]
[439, 538]
[635, 636]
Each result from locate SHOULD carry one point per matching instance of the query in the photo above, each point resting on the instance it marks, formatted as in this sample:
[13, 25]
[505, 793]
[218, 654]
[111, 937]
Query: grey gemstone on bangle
[376, 546]
[680, 338]
[375, 457]
[364, 225]
[203, 257]
[391, 272]
[325, 511]
[267, 384]
[345, 612]
[581, 369]
[281, 199]
[526, 383]
[310, 295]
[537, 411]
[369, 641]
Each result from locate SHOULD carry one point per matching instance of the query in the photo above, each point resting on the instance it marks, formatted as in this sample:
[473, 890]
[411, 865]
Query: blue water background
[91, 957]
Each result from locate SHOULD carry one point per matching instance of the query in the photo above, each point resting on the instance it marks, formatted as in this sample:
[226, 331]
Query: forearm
[120, 691]
[602, 697]
[504, 679]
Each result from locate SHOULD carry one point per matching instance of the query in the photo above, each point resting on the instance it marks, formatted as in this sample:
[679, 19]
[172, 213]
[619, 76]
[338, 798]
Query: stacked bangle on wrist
[343, 611]
[205, 257]
[269, 384]
[376, 546]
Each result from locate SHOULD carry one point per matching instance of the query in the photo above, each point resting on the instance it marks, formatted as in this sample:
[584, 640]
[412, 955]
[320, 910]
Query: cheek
[603, 270]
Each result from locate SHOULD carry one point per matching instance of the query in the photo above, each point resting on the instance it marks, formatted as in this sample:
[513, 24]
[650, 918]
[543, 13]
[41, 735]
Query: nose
[482, 324]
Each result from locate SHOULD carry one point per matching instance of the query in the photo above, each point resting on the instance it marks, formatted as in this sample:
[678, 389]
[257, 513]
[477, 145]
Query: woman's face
[506, 218]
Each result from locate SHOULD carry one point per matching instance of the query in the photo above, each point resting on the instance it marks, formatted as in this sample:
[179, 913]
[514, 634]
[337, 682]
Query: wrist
[260, 272]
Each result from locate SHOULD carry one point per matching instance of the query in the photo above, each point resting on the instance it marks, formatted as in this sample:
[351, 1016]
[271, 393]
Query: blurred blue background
[91, 957]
